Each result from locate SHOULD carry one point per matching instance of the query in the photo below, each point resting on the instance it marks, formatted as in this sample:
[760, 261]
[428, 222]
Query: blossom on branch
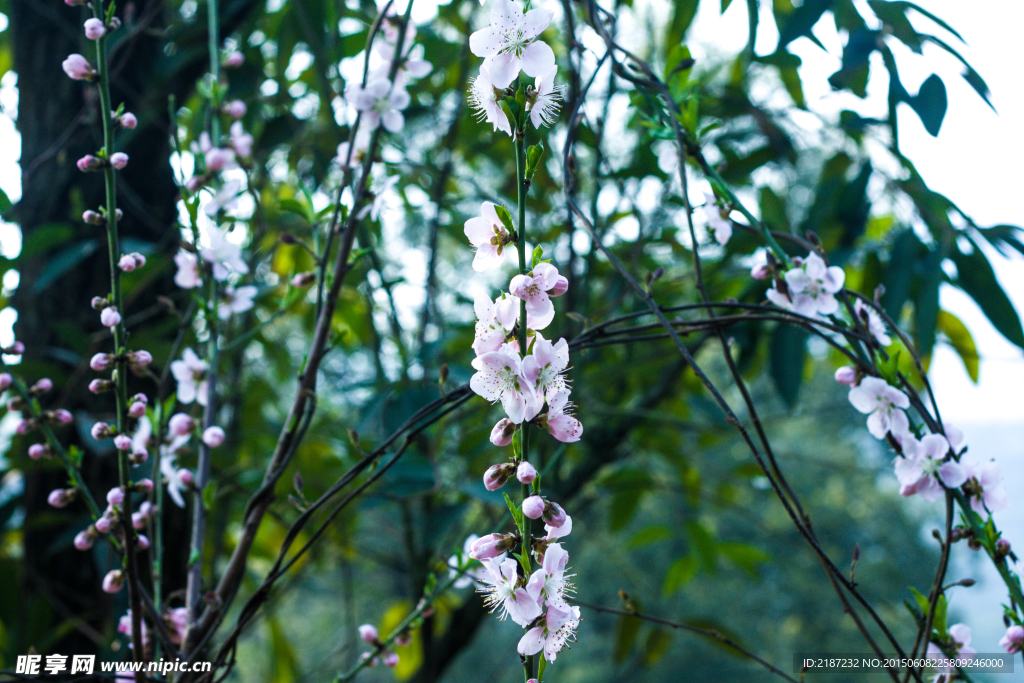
[882, 404]
[485, 99]
[509, 44]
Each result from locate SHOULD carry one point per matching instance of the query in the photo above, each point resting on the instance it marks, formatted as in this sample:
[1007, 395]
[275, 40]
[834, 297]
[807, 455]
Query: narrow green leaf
[658, 642]
[504, 216]
[538, 254]
[959, 337]
[534, 153]
[930, 104]
[788, 351]
[209, 495]
[976, 277]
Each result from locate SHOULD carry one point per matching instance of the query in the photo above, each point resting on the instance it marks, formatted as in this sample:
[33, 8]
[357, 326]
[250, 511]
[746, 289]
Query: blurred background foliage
[667, 503]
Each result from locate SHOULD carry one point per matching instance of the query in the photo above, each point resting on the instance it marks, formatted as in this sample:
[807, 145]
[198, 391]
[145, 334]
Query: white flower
[359, 147]
[716, 218]
[558, 627]
[187, 276]
[381, 198]
[235, 300]
[983, 487]
[488, 236]
[168, 468]
[498, 377]
[922, 462]
[190, 373]
[881, 403]
[869, 316]
[811, 288]
[380, 103]
[552, 577]
[544, 367]
[961, 636]
[460, 561]
[509, 43]
[486, 101]
[495, 320]
[225, 199]
[503, 591]
[223, 254]
[548, 96]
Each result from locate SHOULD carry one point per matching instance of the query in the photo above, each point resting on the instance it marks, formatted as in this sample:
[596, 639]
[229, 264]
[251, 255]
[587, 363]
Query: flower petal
[538, 59]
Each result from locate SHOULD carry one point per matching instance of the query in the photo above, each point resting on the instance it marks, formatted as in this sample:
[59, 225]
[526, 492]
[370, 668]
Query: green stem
[213, 31]
[1011, 581]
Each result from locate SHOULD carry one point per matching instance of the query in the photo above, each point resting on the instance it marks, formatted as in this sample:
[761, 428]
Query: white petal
[535, 21]
[502, 69]
[506, 16]
[538, 59]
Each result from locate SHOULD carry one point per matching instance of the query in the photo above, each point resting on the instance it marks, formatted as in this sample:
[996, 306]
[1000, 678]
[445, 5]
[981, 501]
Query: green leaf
[505, 217]
[517, 516]
[45, 238]
[209, 495]
[930, 104]
[704, 544]
[747, 557]
[926, 305]
[788, 351]
[922, 602]
[791, 79]
[686, 10]
[976, 277]
[538, 254]
[648, 535]
[898, 275]
[5, 203]
[959, 337]
[658, 642]
[62, 262]
[625, 637]
[893, 15]
[679, 574]
[302, 209]
[533, 157]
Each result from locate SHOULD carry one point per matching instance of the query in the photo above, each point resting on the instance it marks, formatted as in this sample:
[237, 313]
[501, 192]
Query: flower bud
[194, 183]
[114, 24]
[94, 29]
[24, 426]
[41, 387]
[368, 632]
[403, 638]
[123, 442]
[60, 416]
[100, 431]
[89, 163]
[140, 358]
[554, 515]
[126, 263]
[5, 381]
[39, 450]
[138, 521]
[142, 542]
[15, 403]
[502, 433]
[181, 424]
[1013, 640]
[560, 288]
[235, 109]
[217, 159]
[136, 410]
[391, 660]
[93, 217]
[491, 545]
[234, 60]
[78, 68]
[113, 581]
[17, 348]
[496, 476]
[99, 303]
[115, 496]
[1002, 549]
[138, 456]
[761, 271]
[103, 524]
[100, 361]
[187, 478]
[127, 120]
[98, 386]
[213, 436]
[110, 317]
[533, 507]
[59, 498]
[526, 473]
[303, 279]
[119, 160]
[846, 375]
[143, 486]
[84, 539]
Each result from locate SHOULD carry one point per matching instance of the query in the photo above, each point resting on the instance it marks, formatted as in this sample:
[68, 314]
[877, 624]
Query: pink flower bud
[115, 23]
[194, 183]
[98, 386]
[100, 431]
[143, 486]
[110, 317]
[5, 381]
[88, 163]
[123, 442]
[24, 426]
[94, 29]
[128, 120]
[118, 160]
[83, 541]
[137, 410]
[217, 159]
[496, 476]
[1013, 641]
[236, 109]
[181, 424]
[234, 60]
[37, 451]
[59, 498]
[100, 361]
[62, 416]
[760, 272]
[141, 543]
[533, 507]
[502, 433]
[115, 496]
[403, 638]
[98, 303]
[113, 581]
[846, 375]
[140, 358]
[103, 524]
[391, 660]
[373, 661]
[526, 473]
[303, 279]
[138, 521]
[140, 260]
[560, 288]
[138, 456]
[127, 264]
[554, 515]
[187, 478]
[17, 348]
[213, 436]
[42, 386]
[92, 217]
[77, 67]
[368, 632]
[491, 545]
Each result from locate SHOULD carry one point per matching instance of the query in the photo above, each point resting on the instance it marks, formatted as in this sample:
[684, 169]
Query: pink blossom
[41, 387]
[495, 320]
[533, 507]
[61, 416]
[177, 619]
[124, 625]
[560, 422]
[846, 375]
[140, 359]
[83, 540]
[100, 361]
[187, 276]
[234, 60]
[59, 498]
[103, 524]
[126, 263]
[141, 543]
[533, 288]
[115, 496]
[923, 461]
[109, 317]
[190, 373]
[379, 103]
[128, 120]
[556, 532]
[881, 403]
[716, 218]
[113, 581]
[509, 44]
[234, 300]
[236, 109]
[89, 163]
[368, 632]
[5, 381]
[812, 287]
[78, 68]
[181, 424]
[496, 476]
[554, 515]
[303, 279]
[94, 29]
[488, 236]
[213, 436]
[491, 546]
[526, 473]
[544, 367]
[486, 100]
[118, 160]
[869, 317]
[144, 485]
[983, 488]
[240, 141]
[226, 256]
[137, 409]
[543, 100]
[760, 271]
[555, 583]
[391, 660]
[498, 378]
[559, 626]
[93, 217]
[960, 634]
[122, 442]
[100, 431]
[38, 450]
[1013, 641]
[217, 159]
[502, 433]
[502, 591]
